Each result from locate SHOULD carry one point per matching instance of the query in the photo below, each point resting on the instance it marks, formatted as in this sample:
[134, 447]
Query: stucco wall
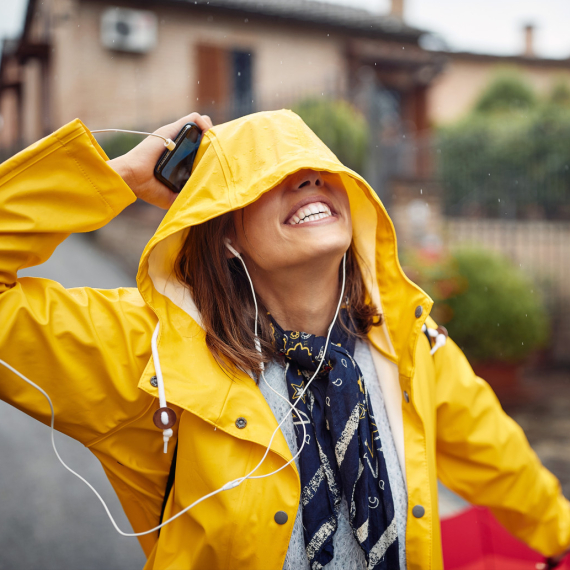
[116, 89]
[454, 92]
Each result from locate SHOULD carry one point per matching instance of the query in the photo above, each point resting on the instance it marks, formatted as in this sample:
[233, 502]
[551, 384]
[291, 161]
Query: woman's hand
[136, 167]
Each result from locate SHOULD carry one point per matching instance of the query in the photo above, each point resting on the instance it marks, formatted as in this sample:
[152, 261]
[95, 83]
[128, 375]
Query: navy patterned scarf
[343, 452]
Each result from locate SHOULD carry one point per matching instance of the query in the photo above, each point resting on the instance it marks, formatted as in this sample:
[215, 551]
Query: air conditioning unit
[123, 29]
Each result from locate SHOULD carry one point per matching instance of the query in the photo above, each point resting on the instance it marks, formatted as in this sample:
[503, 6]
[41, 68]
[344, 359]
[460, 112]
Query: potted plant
[491, 309]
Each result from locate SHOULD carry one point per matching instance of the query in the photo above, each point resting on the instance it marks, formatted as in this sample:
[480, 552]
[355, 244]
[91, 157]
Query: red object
[474, 540]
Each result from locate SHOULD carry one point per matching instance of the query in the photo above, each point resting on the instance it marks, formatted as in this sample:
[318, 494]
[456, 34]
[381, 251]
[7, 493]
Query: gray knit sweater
[347, 553]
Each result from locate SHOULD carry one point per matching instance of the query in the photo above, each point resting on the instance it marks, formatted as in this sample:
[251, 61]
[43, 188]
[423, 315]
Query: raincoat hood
[239, 161]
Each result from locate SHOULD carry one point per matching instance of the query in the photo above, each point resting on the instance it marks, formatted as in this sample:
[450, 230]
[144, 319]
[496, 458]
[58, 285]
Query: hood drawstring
[440, 335]
[164, 418]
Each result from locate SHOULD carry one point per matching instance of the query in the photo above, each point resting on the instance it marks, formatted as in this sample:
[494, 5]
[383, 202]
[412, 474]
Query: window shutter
[213, 80]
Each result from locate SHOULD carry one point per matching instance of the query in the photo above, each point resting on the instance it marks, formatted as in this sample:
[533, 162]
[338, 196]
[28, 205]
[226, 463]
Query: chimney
[397, 9]
[529, 41]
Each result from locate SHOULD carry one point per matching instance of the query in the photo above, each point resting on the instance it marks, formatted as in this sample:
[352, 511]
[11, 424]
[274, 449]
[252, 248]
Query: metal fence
[509, 193]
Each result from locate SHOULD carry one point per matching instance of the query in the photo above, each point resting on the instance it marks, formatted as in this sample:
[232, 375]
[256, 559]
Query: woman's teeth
[310, 213]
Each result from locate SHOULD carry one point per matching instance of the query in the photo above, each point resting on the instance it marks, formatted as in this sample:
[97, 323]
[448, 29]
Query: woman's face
[305, 220]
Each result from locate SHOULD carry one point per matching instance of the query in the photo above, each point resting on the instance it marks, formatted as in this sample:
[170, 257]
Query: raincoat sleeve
[84, 347]
[484, 456]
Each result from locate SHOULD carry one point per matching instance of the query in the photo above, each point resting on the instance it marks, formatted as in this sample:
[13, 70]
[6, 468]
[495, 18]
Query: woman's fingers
[203, 121]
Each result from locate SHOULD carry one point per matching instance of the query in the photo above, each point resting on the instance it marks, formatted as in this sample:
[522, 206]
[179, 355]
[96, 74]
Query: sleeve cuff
[92, 161]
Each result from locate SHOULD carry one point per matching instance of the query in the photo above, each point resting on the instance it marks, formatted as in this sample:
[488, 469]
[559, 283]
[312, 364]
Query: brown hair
[222, 294]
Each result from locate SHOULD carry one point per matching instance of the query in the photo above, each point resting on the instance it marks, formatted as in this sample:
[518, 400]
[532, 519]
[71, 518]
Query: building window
[242, 83]
[225, 82]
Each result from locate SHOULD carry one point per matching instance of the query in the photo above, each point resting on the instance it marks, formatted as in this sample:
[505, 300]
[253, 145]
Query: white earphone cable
[226, 487]
[162, 400]
[168, 143]
[166, 433]
[293, 406]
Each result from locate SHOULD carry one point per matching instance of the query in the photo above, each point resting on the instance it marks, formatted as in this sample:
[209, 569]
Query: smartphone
[175, 166]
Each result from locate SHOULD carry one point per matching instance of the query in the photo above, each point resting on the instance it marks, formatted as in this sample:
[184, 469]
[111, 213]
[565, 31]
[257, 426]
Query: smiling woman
[295, 271]
[317, 444]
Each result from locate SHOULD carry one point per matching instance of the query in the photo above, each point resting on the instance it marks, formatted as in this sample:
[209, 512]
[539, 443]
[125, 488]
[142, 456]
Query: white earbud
[440, 338]
[228, 244]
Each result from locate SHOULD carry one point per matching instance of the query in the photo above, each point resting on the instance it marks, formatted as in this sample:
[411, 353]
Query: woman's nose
[309, 178]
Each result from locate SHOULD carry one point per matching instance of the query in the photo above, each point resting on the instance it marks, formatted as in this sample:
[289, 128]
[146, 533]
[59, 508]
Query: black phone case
[165, 156]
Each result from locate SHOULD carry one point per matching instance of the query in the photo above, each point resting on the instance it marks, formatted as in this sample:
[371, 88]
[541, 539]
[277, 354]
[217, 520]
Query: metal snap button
[154, 382]
[406, 397]
[281, 517]
[418, 511]
[419, 311]
[241, 423]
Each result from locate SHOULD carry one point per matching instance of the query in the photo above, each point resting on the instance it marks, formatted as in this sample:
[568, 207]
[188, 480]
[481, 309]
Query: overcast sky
[489, 26]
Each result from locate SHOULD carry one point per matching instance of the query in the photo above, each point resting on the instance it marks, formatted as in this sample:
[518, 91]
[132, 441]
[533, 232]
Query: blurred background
[457, 113]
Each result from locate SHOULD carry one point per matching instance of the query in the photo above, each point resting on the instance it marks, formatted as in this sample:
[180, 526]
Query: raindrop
[421, 191]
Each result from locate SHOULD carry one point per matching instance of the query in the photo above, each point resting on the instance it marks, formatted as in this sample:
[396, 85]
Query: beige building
[454, 92]
[132, 67]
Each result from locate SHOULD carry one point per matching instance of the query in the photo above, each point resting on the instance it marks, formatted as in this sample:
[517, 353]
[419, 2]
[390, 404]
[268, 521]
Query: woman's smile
[311, 209]
[267, 231]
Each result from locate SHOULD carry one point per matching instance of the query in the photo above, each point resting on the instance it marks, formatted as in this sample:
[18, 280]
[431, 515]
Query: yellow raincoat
[90, 349]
